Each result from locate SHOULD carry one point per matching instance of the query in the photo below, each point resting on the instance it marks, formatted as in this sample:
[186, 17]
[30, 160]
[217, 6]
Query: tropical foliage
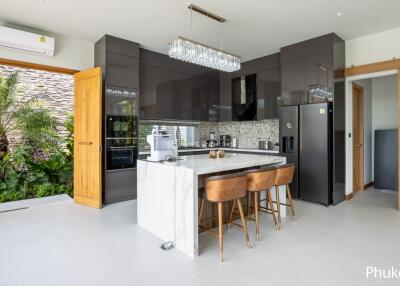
[40, 163]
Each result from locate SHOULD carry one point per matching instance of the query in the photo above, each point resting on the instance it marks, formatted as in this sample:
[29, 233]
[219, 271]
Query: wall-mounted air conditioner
[27, 42]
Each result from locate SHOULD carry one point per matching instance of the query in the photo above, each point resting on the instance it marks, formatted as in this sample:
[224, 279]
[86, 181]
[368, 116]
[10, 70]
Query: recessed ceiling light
[339, 14]
[40, 1]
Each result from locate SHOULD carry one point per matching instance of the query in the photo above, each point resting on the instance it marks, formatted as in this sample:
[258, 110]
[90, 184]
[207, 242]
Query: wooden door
[358, 138]
[87, 137]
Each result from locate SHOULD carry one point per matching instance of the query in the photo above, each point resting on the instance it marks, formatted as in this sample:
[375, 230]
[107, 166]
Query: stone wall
[54, 90]
[248, 133]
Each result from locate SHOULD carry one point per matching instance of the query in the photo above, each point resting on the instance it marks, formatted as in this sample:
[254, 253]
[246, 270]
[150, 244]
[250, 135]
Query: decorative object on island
[197, 53]
[212, 154]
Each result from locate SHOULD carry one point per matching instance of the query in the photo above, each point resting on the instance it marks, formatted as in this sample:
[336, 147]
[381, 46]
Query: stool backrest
[226, 187]
[261, 180]
[284, 174]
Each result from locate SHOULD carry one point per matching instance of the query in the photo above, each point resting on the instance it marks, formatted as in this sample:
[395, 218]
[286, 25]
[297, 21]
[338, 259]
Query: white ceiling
[254, 28]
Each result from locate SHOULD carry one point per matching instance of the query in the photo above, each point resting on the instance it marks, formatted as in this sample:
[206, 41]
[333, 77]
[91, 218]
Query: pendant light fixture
[196, 53]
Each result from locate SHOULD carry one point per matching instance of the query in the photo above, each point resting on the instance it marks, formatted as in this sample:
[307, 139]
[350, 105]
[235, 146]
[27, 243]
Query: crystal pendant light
[200, 54]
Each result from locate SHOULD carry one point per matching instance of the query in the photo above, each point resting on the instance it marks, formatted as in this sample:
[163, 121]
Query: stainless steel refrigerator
[306, 140]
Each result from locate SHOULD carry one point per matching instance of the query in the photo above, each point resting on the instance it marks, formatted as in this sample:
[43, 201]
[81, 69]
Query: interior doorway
[372, 121]
[358, 138]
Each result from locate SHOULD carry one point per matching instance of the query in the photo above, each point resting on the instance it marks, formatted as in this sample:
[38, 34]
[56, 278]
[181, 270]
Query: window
[187, 134]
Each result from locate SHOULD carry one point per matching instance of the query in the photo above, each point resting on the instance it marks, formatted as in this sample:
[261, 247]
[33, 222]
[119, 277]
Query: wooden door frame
[41, 67]
[361, 128]
[381, 67]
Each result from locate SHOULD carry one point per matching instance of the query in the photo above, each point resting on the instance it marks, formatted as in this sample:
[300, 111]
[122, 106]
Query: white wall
[69, 53]
[384, 106]
[368, 166]
[384, 102]
[373, 48]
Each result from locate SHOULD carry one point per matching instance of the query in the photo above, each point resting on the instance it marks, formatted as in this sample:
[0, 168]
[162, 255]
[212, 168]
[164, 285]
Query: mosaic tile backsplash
[247, 132]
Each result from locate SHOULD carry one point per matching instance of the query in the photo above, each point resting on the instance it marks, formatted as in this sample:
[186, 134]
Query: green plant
[41, 164]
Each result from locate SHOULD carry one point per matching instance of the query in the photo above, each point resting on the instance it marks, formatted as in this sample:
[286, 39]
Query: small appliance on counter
[161, 146]
[211, 141]
[225, 141]
[265, 144]
[234, 143]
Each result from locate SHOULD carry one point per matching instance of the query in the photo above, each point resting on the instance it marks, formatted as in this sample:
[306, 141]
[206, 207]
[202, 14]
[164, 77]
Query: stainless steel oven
[121, 157]
[121, 128]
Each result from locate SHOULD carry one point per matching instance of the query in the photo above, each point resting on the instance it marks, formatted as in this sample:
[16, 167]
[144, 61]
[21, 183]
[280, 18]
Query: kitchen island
[167, 201]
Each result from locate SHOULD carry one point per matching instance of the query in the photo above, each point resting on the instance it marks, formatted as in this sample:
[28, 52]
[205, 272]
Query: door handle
[85, 143]
[358, 145]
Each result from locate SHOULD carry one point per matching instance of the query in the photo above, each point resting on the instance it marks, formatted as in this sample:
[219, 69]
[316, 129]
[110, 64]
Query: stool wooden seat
[284, 176]
[260, 180]
[225, 188]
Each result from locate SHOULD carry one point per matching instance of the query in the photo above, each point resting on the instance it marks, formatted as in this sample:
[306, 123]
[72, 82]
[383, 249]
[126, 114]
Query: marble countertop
[202, 164]
[225, 149]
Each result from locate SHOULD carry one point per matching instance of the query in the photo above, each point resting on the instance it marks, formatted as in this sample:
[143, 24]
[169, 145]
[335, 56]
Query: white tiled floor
[67, 244]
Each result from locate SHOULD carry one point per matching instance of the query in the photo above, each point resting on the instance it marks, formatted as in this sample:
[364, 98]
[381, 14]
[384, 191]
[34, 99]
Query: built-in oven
[121, 128]
[121, 157]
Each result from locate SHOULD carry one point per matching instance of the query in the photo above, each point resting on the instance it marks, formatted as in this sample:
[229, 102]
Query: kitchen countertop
[202, 164]
[224, 148]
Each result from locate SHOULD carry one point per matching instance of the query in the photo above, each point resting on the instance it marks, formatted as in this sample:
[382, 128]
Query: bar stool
[225, 188]
[284, 176]
[258, 181]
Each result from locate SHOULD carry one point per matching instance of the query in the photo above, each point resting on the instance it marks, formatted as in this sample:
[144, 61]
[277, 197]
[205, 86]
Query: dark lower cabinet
[120, 186]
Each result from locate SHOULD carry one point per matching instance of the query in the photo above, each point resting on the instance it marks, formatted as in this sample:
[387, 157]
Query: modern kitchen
[169, 125]
[207, 155]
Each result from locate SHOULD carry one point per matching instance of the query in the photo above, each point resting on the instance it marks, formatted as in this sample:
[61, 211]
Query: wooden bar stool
[260, 180]
[225, 188]
[284, 176]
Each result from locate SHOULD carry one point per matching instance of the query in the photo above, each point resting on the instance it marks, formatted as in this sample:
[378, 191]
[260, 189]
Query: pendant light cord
[221, 36]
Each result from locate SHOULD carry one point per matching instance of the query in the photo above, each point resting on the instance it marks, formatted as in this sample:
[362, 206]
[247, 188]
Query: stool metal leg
[246, 233]
[269, 200]
[232, 211]
[278, 204]
[289, 194]
[248, 203]
[220, 235]
[256, 194]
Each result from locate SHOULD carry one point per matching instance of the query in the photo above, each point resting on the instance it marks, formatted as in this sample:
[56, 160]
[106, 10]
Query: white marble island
[168, 194]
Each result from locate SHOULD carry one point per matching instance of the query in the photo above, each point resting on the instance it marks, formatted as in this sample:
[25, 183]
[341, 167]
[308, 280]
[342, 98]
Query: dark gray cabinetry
[119, 61]
[122, 71]
[172, 89]
[293, 85]
[268, 91]
[267, 72]
[306, 66]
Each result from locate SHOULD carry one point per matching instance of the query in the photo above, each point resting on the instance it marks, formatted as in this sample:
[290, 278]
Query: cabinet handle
[85, 143]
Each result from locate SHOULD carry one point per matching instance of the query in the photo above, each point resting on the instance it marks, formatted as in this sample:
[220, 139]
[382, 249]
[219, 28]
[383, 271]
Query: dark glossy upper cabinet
[119, 60]
[266, 72]
[175, 90]
[307, 71]
[268, 91]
